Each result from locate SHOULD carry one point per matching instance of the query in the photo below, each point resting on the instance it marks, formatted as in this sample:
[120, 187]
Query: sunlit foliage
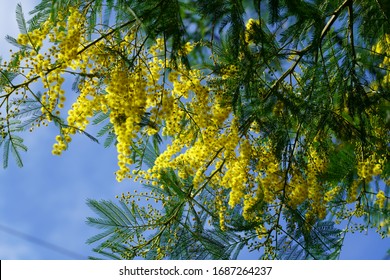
[272, 119]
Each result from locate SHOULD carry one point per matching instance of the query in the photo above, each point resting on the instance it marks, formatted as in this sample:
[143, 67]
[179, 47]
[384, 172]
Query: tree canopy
[261, 125]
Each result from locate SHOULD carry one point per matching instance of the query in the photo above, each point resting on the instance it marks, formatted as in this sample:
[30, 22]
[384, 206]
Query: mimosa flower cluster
[132, 82]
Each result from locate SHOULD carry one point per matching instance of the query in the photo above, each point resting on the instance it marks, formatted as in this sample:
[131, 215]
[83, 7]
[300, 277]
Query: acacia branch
[302, 52]
[333, 18]
[351, 33]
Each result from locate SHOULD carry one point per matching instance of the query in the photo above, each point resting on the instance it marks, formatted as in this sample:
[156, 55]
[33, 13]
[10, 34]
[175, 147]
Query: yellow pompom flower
[380, 199]
[250, 29]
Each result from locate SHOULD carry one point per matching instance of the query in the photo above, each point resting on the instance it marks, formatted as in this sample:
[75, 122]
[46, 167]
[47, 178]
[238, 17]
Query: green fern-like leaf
[21, 20]
[12, 143]
[100, 117]
[17, 146]
[6, 144]
[15, 43]
[324, 242]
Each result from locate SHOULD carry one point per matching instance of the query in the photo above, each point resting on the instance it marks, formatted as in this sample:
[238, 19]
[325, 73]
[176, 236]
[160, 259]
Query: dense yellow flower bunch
[370, 167]
[382, 48]
[307, 187]
[236, 176]
[250, 29]
[380, 199]
[316, 165]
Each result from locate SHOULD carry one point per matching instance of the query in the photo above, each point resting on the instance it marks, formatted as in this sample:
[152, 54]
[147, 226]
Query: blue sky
[46, 198]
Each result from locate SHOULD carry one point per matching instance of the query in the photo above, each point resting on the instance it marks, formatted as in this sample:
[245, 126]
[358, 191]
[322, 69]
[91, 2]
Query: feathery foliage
[252, 125]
